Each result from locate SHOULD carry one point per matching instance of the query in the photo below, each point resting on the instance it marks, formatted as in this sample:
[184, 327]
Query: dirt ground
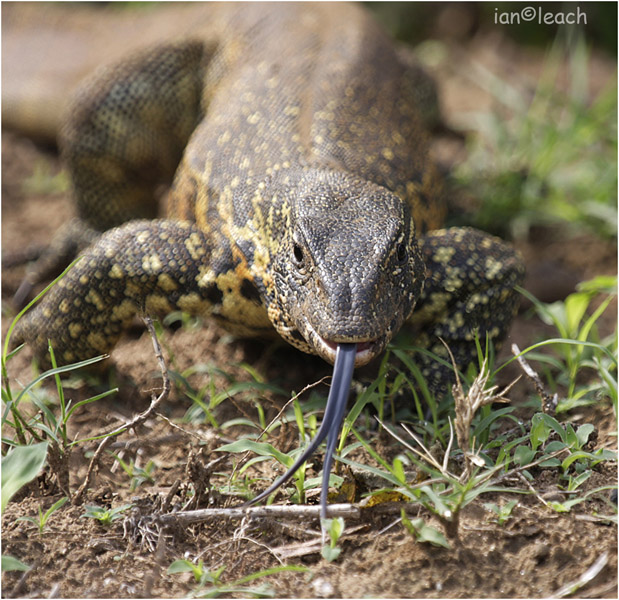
[533, 554]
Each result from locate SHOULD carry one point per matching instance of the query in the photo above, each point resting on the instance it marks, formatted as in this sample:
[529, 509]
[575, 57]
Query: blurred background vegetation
[541, 144]
[415, 21]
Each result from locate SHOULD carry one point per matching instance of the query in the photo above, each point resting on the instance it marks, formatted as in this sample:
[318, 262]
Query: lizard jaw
[327, 349]
[365, 351]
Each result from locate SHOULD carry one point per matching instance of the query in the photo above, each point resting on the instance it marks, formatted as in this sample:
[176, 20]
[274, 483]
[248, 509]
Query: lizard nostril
[401, 252]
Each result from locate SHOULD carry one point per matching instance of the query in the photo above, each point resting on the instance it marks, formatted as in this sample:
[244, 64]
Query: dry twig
[312, 546]
[592, 572]
[297, 511]
[135, 422]
[549, 403]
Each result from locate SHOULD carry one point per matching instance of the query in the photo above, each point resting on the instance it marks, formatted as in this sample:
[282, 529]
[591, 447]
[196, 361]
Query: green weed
[105, 516]
[137, 475]
[578, 347]
[41, 521]
[267, 451]
[552, 159]
[210, 584]
[303, 414]
[48, 425]
[207, 398]
[503, 512]
[451, 476]
[458, 460]
[20, 466]
[44, 182]
[334, 528]
[422, 532]
[10, 563]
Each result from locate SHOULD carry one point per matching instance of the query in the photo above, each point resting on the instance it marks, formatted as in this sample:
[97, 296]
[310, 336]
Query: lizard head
[348, 269]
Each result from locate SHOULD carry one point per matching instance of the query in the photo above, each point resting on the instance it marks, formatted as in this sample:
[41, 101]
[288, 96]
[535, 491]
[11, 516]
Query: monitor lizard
[303, 200]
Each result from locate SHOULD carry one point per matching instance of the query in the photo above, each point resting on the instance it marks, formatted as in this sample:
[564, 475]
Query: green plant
[44, 182]
[222, 384]
[559, 147]
[43, 517]
[457, 461]
[503, 512]
[10, 563]
[46, 425]
[19, 467]
[200, 575]
[208, 397]
[548, 437]
[210, 584]
[105, 516]
[486, 458]
[138, 475]
[306, 422]
[266, 451]
[334, 528]
[422, 532]
[578, 348]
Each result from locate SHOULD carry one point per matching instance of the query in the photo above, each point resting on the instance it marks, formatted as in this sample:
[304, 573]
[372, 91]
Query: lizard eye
[297, 255]
[401, 252]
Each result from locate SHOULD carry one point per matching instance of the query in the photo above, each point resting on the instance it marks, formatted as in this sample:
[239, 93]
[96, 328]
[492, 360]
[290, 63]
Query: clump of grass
[579, 349]
[477, 454]
[461, 447]
[43, 428]
[446, 484]
[546, 160]
[43, 517]
[222, 384]
[306, 425]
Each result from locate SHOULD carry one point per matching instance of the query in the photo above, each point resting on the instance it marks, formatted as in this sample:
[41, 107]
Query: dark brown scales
[304, 202]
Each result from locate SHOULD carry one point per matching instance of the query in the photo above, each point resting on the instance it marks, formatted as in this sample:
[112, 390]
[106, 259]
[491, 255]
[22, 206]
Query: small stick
[299, 512]
[532, 489]
[549, 404]
[155, 574]
[20, 586]
[136, 421]
[591, 573]
[168, 499]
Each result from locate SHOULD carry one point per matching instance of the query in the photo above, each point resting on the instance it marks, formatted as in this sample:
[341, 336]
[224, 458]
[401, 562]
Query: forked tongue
[330, 426]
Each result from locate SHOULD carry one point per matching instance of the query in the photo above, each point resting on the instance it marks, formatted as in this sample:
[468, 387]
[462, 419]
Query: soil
[535, 553]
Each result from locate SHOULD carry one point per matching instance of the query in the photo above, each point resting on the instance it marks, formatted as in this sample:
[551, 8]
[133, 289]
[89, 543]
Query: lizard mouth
[327, 349]
[365, 350]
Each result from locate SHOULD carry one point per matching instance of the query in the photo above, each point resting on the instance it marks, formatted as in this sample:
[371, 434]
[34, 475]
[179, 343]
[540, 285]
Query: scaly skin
[303, 198]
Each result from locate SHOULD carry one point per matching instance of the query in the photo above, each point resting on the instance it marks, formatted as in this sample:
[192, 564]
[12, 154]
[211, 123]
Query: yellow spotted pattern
[261, 118]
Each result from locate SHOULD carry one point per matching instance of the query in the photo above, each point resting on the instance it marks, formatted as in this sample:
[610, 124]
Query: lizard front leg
[143, 267]
[469, 290]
